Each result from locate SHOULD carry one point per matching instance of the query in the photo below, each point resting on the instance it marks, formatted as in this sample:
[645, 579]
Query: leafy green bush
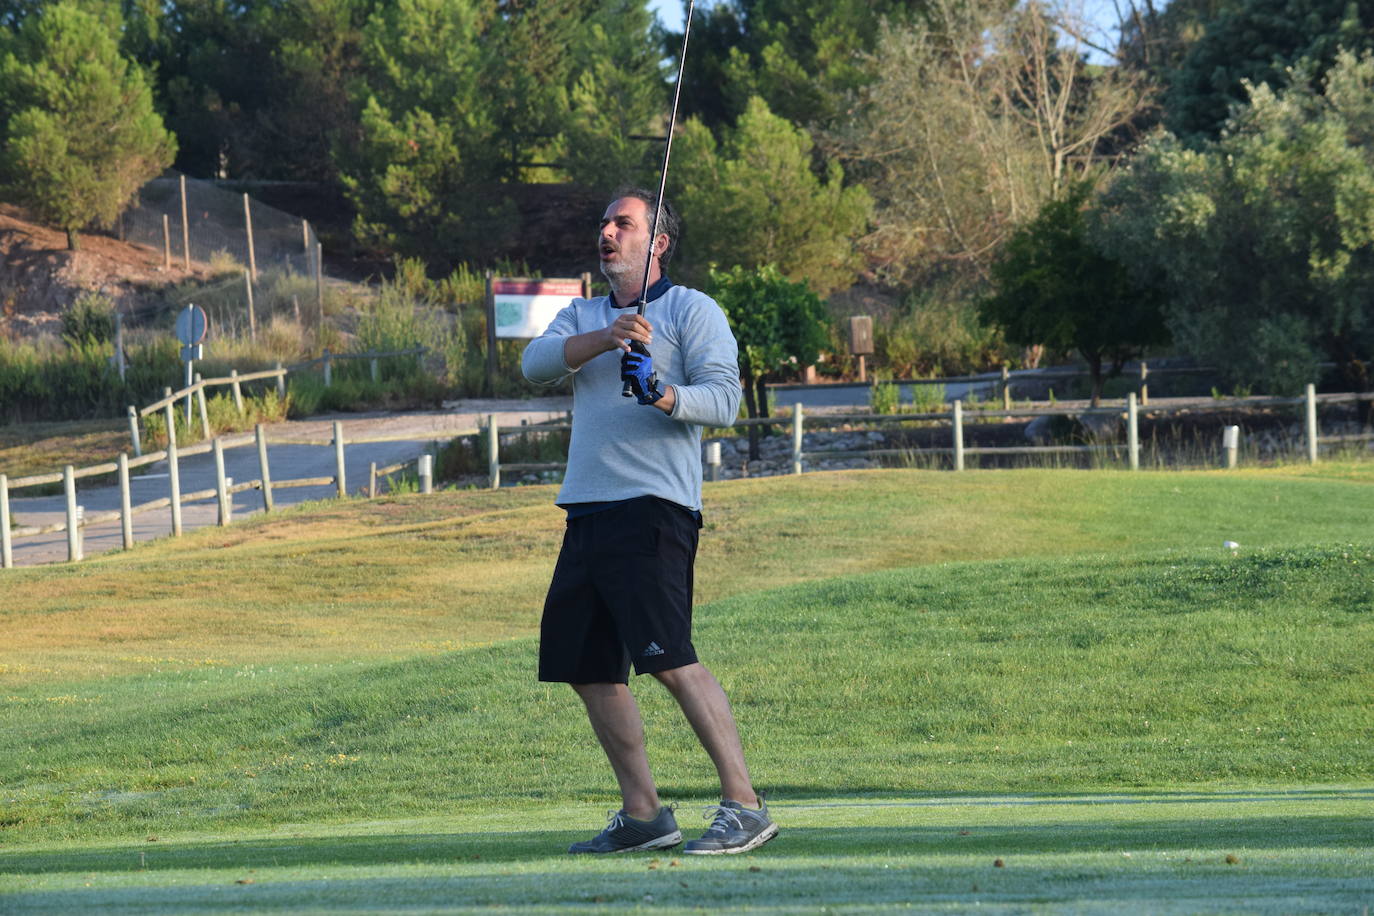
[90, 317]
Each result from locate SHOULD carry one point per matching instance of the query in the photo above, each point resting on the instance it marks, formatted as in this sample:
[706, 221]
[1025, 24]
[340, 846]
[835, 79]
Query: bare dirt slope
[39, 276]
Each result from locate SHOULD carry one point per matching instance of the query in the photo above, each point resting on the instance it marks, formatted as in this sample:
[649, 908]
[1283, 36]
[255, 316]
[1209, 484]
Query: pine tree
[77, 119]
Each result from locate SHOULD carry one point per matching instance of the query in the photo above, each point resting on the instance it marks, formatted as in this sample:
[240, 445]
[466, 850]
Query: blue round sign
[192, 325]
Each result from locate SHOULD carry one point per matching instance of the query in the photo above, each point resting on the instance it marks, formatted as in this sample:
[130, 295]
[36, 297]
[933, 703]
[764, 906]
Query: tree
[757, 201]
[779, 326]
[1256, 42]
[1052, 287]
[80, 133]
[977, 117]
[1264, 239]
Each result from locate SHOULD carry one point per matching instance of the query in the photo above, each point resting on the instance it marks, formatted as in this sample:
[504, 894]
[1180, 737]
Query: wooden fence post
[1311, 399]
[426, 472]
[252, 318]
[328, 368]
[340, 481]
[489, 301]
[248, 227]
[958, 435]
[200, 403]
[119, 345]
[185, 228]
[797, 438]
[1133, 431]
[319, 280]
[262, 465]
[281, 380]
[1144, 384]
[1230, 442]
[1006, 387]
[6, 548]
[237, 389]
[166, 243]
[375, 373]
[73, 523]
[221, 492]
[126, 511]
[173, 469]
[134, 432]
[493, 452]
[372, 481]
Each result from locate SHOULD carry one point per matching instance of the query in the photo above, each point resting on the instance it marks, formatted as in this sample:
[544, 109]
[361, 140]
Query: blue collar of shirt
[658, 289]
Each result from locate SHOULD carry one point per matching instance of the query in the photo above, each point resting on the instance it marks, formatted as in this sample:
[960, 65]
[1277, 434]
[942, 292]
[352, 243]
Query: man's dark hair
[668, 223]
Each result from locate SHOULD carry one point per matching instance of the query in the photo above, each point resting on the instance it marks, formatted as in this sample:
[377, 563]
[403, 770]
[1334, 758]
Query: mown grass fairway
[1065, 672]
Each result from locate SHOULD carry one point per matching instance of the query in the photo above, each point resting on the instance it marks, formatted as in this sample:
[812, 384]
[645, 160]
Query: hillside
[39, 277]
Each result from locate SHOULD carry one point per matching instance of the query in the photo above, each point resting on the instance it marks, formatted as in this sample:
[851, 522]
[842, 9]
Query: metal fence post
[1144, 384]
[328, 368]
[262, 464]
[958, 435]
[340, 484]
[797, 438]
[1311, 398]
[6, 548]
[713, 460]
[1006, 387]
[493, 452]
[1133, 431]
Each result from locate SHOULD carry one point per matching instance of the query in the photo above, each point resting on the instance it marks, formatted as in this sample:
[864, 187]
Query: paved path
[286, 460]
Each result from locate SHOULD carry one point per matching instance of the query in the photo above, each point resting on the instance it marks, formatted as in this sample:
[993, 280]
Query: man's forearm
[580, 349]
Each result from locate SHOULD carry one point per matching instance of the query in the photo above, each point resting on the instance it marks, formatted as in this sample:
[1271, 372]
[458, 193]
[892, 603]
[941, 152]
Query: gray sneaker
[627, 834]
[734, 828]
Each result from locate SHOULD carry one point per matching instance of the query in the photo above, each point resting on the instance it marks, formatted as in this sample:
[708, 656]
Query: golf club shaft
[636, 346]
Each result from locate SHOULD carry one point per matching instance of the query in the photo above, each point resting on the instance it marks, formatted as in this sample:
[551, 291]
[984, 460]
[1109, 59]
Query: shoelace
[721, 818]
[614, 819]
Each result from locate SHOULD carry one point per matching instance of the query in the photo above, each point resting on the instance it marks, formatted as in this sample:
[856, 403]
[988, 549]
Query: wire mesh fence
[191, 221]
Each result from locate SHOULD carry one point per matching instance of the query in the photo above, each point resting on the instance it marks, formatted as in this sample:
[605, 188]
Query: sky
[1101, 12]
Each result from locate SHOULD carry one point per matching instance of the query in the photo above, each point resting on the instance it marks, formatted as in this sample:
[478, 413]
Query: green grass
[932, 671]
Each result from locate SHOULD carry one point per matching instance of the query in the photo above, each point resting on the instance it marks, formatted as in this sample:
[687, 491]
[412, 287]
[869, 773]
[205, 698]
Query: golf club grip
[637, 347]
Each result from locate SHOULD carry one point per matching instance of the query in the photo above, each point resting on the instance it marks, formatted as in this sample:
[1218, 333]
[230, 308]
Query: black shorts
[621, 593]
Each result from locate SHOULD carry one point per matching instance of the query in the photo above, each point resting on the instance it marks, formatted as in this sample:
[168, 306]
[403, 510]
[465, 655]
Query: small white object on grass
[1229, 545]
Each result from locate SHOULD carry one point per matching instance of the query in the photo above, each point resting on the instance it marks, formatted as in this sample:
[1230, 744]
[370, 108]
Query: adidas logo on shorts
[653, 649]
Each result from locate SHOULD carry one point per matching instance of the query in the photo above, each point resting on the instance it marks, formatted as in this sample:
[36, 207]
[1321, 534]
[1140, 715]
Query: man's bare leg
[615, 719]
[707, 708]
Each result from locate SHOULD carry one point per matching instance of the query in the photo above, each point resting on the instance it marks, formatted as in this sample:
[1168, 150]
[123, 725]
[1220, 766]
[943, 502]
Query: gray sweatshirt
[621, 449]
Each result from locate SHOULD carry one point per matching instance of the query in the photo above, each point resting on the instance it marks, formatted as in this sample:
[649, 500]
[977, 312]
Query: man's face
[623, 240]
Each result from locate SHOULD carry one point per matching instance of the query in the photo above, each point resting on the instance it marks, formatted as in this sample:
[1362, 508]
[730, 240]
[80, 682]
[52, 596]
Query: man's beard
[625, 267]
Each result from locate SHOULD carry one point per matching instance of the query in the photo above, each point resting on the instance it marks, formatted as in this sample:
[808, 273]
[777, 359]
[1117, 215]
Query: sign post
[191, 327]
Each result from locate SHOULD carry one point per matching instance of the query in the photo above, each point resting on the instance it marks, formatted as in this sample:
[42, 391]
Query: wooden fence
[75, 520]
[958, 450]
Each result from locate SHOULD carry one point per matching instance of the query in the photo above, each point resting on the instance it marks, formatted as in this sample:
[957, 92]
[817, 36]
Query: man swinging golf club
[622, 589]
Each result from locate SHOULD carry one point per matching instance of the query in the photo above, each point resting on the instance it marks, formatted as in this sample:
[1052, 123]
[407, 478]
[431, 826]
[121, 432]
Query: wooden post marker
[1133, 431]
[340, 483]
[237, 389]
[6, 548]
[133, 431]
[221, 496]
[200, 404]
[1311, 399]
[173, 467]
[252, 318]
[185, 228]
[426, 471]
[958, 435]
[493, 452]
[73, 522]
[262, 466]
[126, 511]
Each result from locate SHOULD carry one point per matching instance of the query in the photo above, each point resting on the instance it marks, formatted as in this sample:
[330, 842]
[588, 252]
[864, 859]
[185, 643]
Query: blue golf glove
[637, 370]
